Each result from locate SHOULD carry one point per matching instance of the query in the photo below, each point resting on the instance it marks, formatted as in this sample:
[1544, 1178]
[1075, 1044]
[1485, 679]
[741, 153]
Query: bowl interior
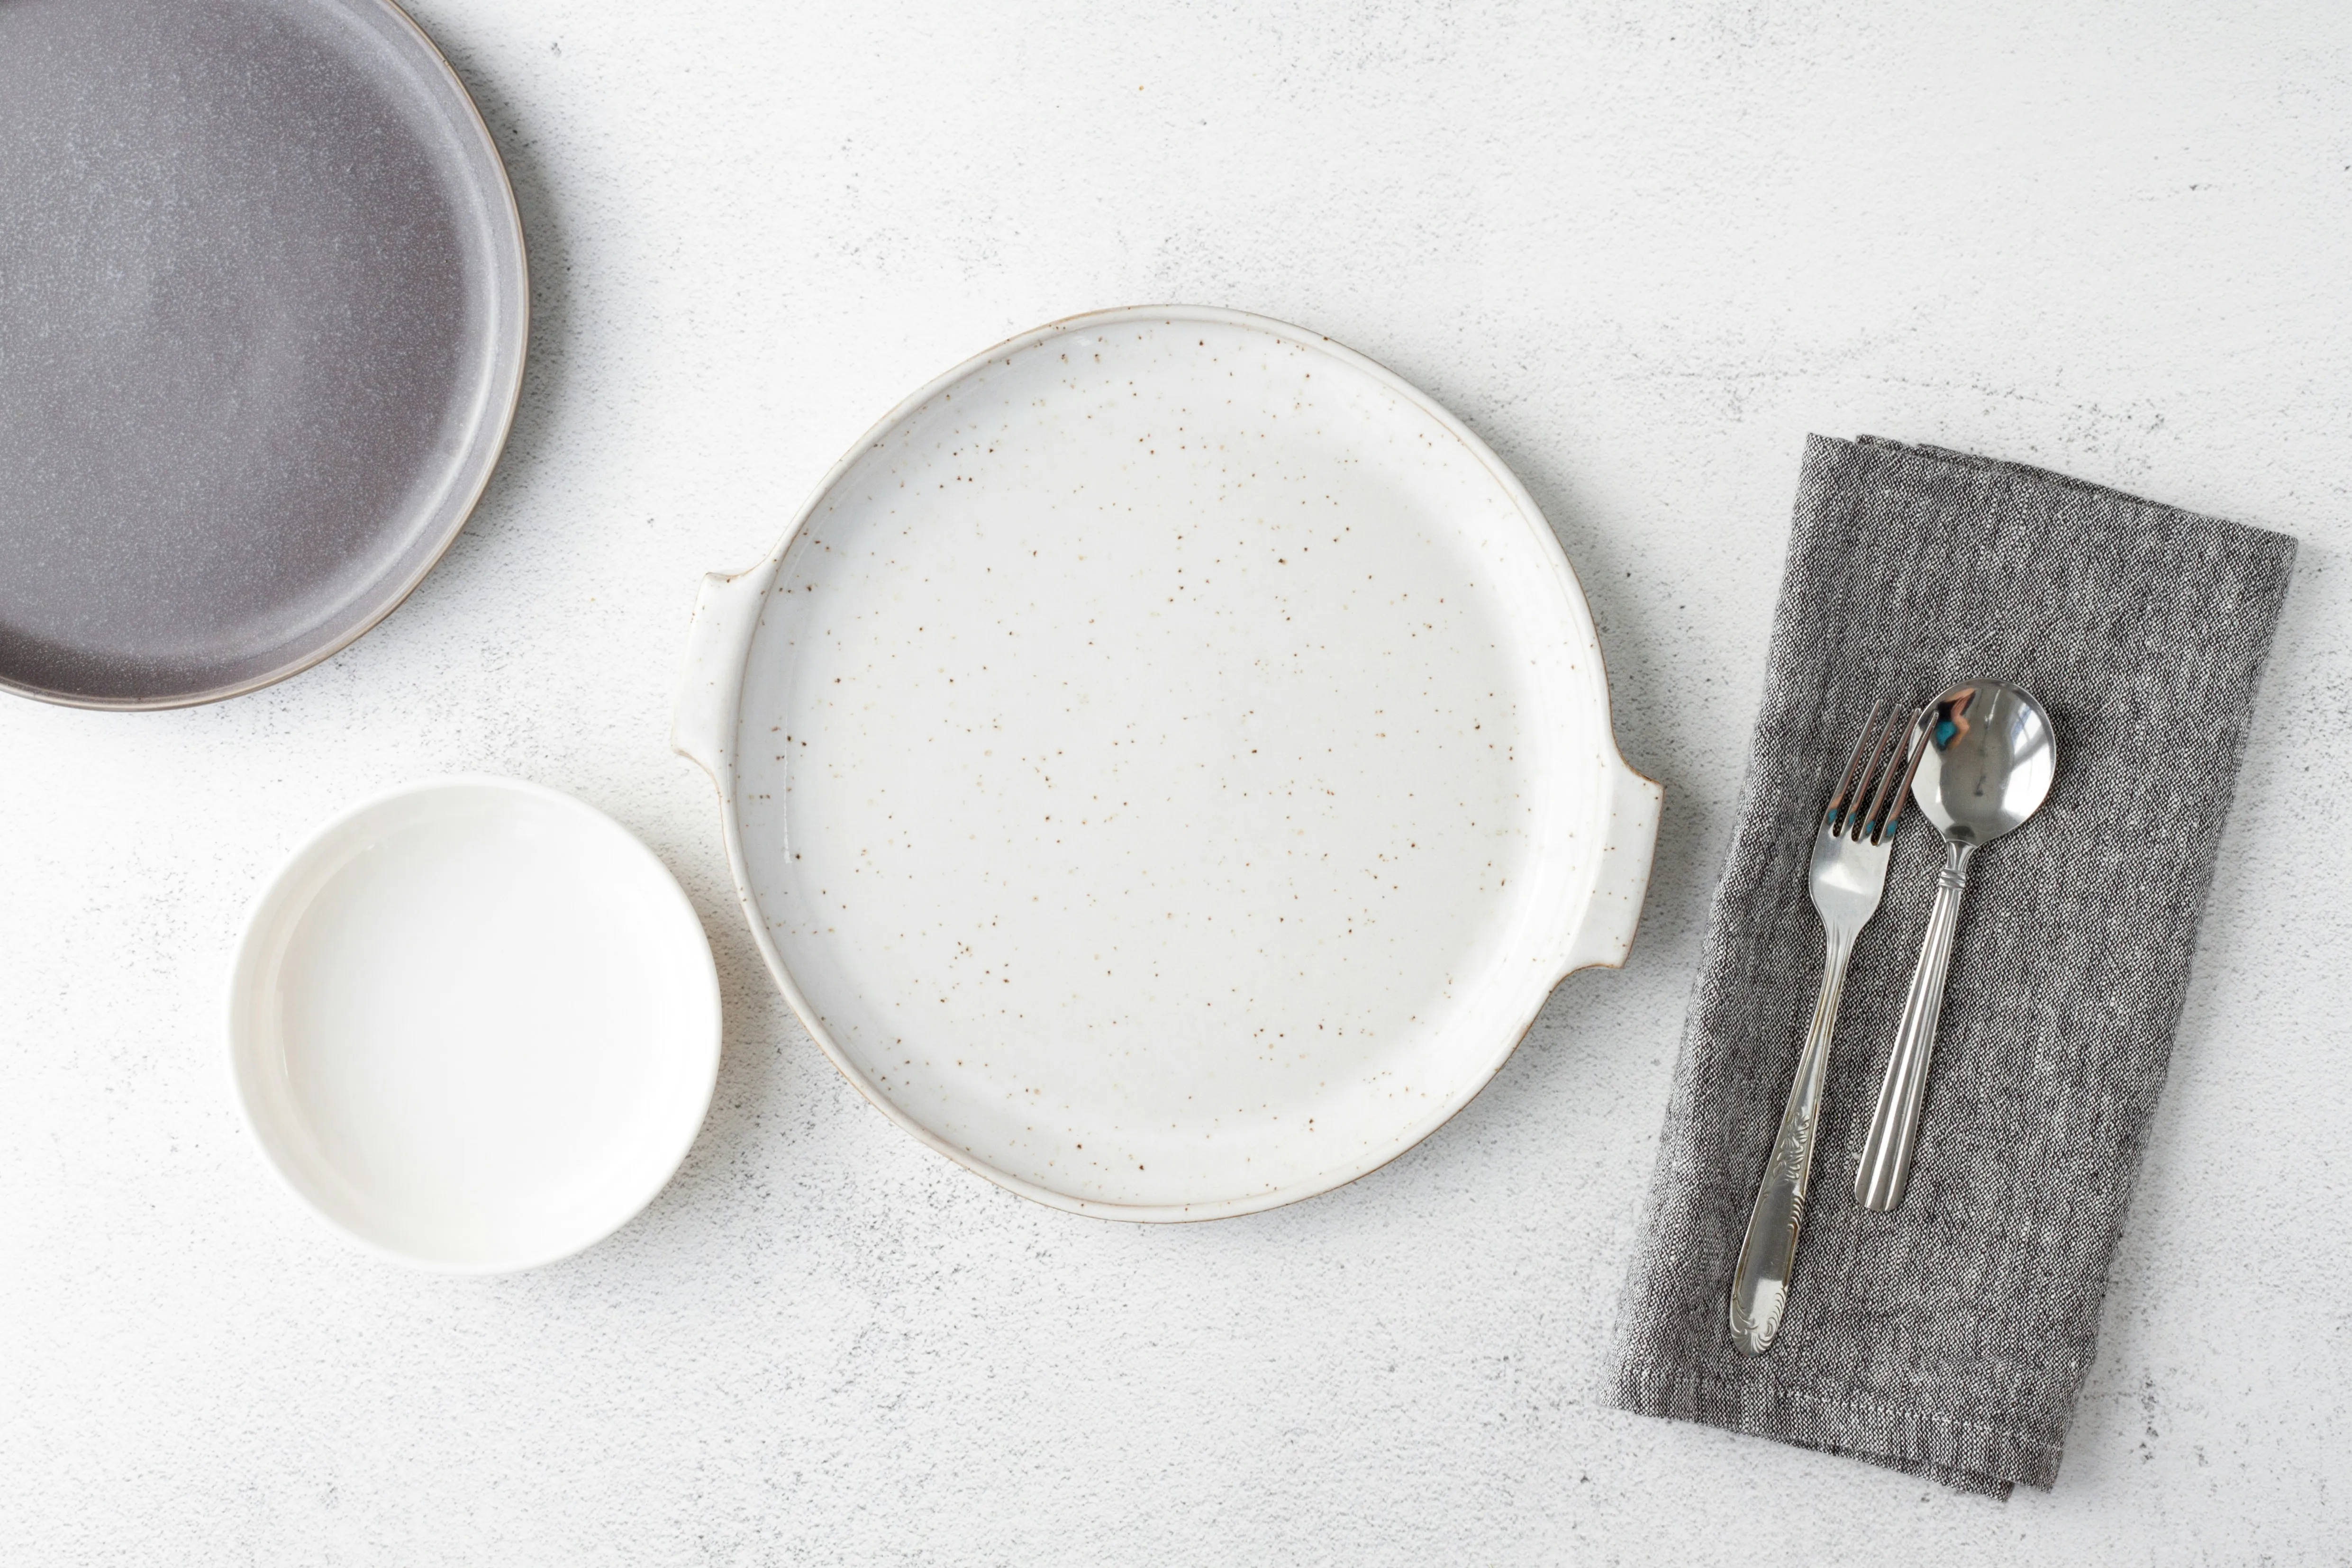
[475, 1025]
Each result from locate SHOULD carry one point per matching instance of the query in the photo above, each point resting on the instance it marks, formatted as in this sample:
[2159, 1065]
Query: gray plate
[262, 314]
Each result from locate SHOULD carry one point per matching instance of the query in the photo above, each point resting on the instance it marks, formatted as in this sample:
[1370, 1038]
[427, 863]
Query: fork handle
[1760, 1285]
[1885, 1168]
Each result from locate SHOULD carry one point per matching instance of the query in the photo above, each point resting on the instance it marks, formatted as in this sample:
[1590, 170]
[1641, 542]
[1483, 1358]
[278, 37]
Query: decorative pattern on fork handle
[1848, 873]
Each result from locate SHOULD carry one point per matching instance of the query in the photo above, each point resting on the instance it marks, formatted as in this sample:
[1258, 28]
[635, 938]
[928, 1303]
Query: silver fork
[1850, 851]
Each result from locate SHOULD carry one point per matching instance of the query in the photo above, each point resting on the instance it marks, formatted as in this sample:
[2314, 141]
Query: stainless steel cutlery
[1980, 760]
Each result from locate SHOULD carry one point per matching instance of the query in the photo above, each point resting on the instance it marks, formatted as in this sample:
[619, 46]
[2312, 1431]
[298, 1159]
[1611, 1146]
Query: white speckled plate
[1167, 764]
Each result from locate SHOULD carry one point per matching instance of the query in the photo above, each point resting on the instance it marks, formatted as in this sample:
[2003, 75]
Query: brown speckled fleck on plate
[262, 316]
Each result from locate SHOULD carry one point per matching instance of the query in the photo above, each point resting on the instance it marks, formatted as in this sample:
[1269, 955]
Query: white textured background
[1643, 249]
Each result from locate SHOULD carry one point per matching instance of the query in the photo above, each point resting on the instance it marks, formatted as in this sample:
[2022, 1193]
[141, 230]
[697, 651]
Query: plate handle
[1603, 933]
[725, 614]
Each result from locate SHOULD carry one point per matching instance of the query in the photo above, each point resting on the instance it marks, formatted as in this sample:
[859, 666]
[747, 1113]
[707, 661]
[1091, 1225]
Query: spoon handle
[1887, 1152]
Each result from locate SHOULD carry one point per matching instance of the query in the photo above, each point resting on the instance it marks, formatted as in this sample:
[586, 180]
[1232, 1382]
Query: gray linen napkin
[1949, 1338]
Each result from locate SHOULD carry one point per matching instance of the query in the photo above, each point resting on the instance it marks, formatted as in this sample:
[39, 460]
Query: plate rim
[247, 953]
[512, 354]
[722, 686]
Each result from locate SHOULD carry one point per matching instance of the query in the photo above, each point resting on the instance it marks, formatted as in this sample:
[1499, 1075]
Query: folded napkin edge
[1993, 468]
[1974, 1456]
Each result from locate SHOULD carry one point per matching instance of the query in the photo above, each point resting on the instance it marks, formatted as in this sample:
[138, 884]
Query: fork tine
[1858, 809]
[1920, 734]
[1837, 801]
[1901, 756]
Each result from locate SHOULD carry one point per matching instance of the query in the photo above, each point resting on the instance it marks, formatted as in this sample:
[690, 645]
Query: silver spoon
[1990, 755]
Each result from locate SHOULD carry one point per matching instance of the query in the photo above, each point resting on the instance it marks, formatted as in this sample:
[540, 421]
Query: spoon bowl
[1990, 756]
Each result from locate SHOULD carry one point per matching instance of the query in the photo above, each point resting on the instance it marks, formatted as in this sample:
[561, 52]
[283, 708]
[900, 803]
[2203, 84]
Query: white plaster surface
[1643, 249]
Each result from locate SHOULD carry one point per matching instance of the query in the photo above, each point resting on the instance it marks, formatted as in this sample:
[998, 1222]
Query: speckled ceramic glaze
[1168, 764]
[262, 312]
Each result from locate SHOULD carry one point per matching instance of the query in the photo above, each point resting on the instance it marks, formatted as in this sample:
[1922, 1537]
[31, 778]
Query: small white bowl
[474, 1025]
